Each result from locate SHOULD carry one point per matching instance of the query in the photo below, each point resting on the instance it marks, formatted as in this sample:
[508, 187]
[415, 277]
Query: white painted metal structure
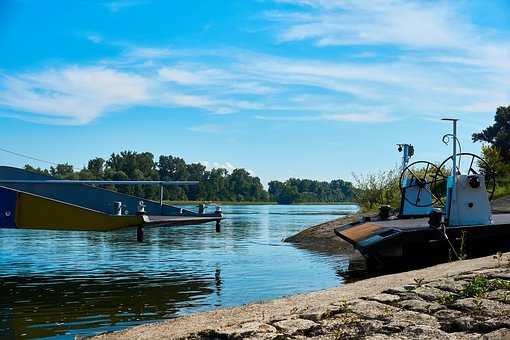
[412, 191]
[471, 205]
[467, 201]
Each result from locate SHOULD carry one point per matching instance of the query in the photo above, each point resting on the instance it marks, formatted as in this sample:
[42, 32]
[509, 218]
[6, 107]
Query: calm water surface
[60, 284]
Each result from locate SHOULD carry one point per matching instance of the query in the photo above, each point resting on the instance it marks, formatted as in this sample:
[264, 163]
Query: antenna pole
[454, 166]
[405, 157]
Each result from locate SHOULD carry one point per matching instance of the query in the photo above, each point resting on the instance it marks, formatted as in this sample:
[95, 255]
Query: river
[60, 284]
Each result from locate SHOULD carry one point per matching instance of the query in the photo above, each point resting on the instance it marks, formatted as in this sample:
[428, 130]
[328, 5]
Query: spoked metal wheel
[420, 175]
[471, 164]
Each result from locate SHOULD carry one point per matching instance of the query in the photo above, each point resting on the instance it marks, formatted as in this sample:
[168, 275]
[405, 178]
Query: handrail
[70, 181]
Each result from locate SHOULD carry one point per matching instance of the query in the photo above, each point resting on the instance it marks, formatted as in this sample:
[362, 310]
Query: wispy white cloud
[376, 117]
[206, 128]
[414, 24]
[115, 6]
[74, 95]
[417, 64]
[224, 165]
[140, 52]
[95, 38]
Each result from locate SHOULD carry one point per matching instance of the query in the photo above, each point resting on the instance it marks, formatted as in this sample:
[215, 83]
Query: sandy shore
[428, 303]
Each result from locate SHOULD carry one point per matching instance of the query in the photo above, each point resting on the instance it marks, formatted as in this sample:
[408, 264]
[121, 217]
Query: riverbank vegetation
[376, 189]
[217, 184]
[305, 190]
[496, 150]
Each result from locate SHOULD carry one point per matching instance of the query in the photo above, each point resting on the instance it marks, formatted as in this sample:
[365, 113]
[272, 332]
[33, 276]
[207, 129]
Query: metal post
[139, 233]
[405, 157]
[161, 197]
[454, 168]
[452, 190]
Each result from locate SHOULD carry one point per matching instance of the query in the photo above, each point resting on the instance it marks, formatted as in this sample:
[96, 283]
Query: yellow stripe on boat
[36, 212]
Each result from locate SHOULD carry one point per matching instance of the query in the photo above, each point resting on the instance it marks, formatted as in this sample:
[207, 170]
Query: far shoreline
[254, 203]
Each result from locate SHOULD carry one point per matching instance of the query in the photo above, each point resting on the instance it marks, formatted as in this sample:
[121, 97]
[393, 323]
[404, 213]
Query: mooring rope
[443, 225]
[27, 157]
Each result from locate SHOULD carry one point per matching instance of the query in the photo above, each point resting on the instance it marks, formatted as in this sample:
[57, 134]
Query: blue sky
[285, 88]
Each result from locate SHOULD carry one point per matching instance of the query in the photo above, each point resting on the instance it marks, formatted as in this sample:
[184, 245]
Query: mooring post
[161, 197]
[219, 213]
[139, 233]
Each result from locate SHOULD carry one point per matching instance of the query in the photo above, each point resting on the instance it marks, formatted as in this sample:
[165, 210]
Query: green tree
[62, 171]
[37, 170]
[96, 167]
[375, 189]
[498, 134]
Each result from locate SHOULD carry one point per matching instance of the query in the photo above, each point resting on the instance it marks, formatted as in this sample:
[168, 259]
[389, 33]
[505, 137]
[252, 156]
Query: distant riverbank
[252, 203]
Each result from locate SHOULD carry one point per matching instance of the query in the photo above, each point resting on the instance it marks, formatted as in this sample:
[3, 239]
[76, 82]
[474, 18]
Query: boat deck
[155, 220]
[419, 223]
[366, 234]
[410, 242]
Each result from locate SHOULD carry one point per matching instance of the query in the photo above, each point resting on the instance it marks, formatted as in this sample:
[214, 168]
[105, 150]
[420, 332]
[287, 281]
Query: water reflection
[59, 284]
[43, 306]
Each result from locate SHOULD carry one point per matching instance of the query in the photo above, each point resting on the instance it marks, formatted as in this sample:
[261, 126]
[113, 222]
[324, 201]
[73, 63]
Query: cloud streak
[409, 61]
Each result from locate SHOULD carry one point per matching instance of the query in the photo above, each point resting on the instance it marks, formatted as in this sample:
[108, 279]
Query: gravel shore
[458, 300]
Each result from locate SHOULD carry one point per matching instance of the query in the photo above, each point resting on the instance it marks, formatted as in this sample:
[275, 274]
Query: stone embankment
[322, 237]
[460, 300]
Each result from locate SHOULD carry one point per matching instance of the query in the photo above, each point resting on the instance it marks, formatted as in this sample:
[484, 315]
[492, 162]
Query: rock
[382, 337]
[248, 329]
[384, 297]
[447, 314]
[504, 276]
[402, 292]
[317, 313]
[482, 306]
[409, 318]
[266, 336]
[372, 309]
[483, 325]
[394, 327]
[501, 295]
[463, 336]
[449, 285]
[425, 332]
[344, 326]
[488, 272]
[420, 306]
[430, 293]
[296, 326]
[459, 324]
[500, 334]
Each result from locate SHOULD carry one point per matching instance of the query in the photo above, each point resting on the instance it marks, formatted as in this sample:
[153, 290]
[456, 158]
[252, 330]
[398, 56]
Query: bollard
[384, 212]
[218, 226]
[435, 218]
[117, 208]
[139, 234]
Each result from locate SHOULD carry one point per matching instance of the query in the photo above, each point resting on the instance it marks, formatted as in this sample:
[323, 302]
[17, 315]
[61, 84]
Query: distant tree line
[216, 184]
[296, 190]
